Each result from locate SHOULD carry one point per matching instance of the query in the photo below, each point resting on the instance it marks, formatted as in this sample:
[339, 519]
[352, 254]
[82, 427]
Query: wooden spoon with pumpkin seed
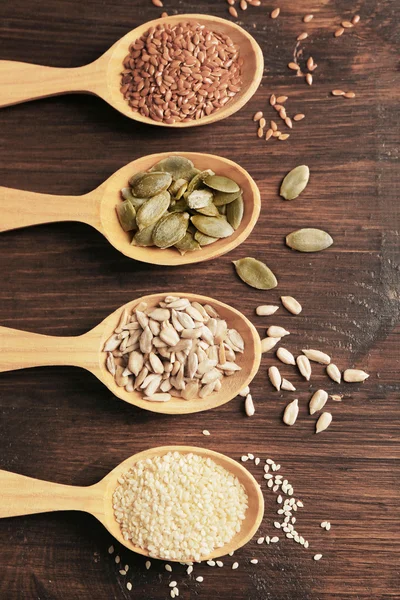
[97, 208]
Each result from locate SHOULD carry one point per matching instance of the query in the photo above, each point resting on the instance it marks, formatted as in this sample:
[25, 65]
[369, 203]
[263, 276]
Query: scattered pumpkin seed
[255, 273]
[235, 211]
[309, 240]
[295, 182]
[222, 184]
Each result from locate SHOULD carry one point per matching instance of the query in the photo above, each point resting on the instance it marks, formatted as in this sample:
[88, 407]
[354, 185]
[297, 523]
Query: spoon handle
[21, 82]
[20, 495]
[19, 208]
[22, 349]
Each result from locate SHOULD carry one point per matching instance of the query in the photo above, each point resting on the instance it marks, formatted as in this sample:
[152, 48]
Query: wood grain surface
[62, 425]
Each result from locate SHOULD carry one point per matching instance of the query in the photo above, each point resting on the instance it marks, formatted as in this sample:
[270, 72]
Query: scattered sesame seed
[220, 563]
[328, 526]
[274, 539]
[211, 563]
[306, 544]
[117, 560]
[122, 572]
[269, 461]
[199, 578]
[254, 561]
[299, 503]
[267, 539]
[173, 584]
[279, 499]
[277, 525]
[172, 593]
[235, 565]
[251, 456]
[323, 524]
[317, 556]
[129, 586]
[268, 476]
[257, 460]
[270, 482]
[189, 570]
[148, 564]
[111, 550]
[176, 590]
[206, 432]
[260, 540]
[243, 458]
[231, 553]
[168, 568]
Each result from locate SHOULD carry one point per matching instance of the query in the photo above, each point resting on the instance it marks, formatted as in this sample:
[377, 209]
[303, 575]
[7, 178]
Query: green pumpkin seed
[199, 199]
[222, 198]
[222, 184]
[204, 240]
[187, 244]
[295, 182]
[144, 237]
[170, 229]
[151, 184]
[178, 167]
[180, 206]
[126, 193]
[176, 186]
[222, 209]
[136, 178]
[181, 190]
[255, 273]
[127, 216]
[152, 210]
[214, 226]
[210, 211]
[198, 180]
[309, 240]
[234, 212]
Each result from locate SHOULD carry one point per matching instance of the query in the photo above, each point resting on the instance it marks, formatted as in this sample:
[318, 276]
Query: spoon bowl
[20, 349]
[97, 208]
[20, 495]
[21, 82]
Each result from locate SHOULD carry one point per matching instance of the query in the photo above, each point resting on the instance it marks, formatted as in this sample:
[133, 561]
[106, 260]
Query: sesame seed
[306, 544]
[274, 539]
[267, 539]
[257, 460]
[251, 456]
[189, 570]
[339, 32]
[199, 578]
[172, 593]
[220, 563]
[122, 572]
[279, 499]
[323, 524]
[129, 586]
[126, 567]
[243, 458]
[260, 540]
[254, 561]
[211, 563]
[235, 565]
[328, 526]
[317, 556]
[206, 432]
[111, 550]
[168, 568]
[277, 525]
[173, 584]
[117, 560]
[148, 564]
[269, 461]
[231, 553]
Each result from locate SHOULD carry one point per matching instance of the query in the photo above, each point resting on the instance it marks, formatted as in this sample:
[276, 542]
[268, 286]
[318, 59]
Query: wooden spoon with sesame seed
[98, 209]
[23, 349]
[21, 82]
[20, 495]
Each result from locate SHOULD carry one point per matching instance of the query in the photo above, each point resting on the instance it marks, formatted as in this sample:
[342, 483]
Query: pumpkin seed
[198, 180]
[127, 216]
[199, 198]
[209, 211]
[309, 240]
[178, 167]
[234, 212]
[151, 184]
[295, 182]
[144, 237]
[255, 273]
[222, 198]
[176, 186]
[181, 190]
[152, 210]
[204, 240]
[126, 193]
[187, 244]
[214, 226]
[170, 229]
[222, 209]
[222, 184]
[136, 178]
[180, 206]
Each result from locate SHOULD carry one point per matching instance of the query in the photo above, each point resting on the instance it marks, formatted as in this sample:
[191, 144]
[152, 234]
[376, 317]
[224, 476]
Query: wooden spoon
[97, 208]
[21, 82]
[22, 349]
[20, 495]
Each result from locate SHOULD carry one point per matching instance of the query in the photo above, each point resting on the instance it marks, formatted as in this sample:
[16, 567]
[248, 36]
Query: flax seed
[339, 32]
[302, 36]
[274, 126]
[157, 3]
[299, 117]
[347, 24]
[288, 122]
[309, 78]
[356, 19]
[310, 63]
[243, 4]
[294, 66]
[233, 12]
[337, 93]
[258, 116]
[349, 95]
[275, 13]
[281, 99]
[283, 137]
[308, 18]
[269, 134]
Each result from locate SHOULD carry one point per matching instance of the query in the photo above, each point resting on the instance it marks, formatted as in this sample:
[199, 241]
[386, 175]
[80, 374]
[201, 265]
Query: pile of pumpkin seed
[176, 205]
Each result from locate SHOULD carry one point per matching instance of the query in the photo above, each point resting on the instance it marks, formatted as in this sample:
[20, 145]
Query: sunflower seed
[110, 363]
[317, 356]
[355, 376]
[336, 397]
[291, 304]
[277, 332]
[285, 356]
[295, 182]
[249, 406]
[245, 391]
[266, 309]
[318, 401]
[286, 385]
[334, 373]
[309, 240]
[158, 397]
[268, 343]
[291, 412]
[255, 273]
[112, 343]
[323, 422]
[275, 377]
[304, 366]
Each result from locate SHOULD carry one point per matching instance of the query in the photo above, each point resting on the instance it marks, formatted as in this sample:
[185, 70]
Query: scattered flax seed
[272, 100]
[294, 66]
[231, 2]
[356, 19]
[317, 556]
[338, 93]
[281, 99]
[274, 126]
[347, 24]
[302, 36]
[258, 116]
[205, 432]
[278, 107]
[282, 114]
[235, 565]
[275, 13]
[243, 4]
[260, 132]
[233, 12]
[299, 117]
[339, 32]
[308, 18]
[349, 95]
[277, 134]
[263, 122]
[309, 78]
[157, 3]
[164, 14]
[268, 134]
[313, 67]
[310, 62]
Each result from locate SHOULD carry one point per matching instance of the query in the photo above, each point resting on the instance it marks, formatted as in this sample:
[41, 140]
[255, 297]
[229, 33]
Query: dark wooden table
[62, 425]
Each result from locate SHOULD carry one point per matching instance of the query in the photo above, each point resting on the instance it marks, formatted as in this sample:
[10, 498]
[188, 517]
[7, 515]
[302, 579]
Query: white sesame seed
[279, 499]
[231, 553]
[289, 535]
[267, 539]
[302, 540]
[273, 467]
[293, 519]
[254, 561]
[111, 550]
[317, 556]
[270, 483]
[173, 584]
[189, 570]
[122, 572]
[277, 467]
[148, 564]
[274, 539]
[286, 529]
[211, 563]
[117, 560]
[126, 567]
[323, 524]
[168, 568]
[244, 458]
[235, 565]
[257, 461]
[328, 526]
[199, 578]
[172, 593]
[278, 478]
[268, 476]
[277, 525]
[306, 544]
[129, 586]
[269, 461]
[176, 590]
[260, 540]
[251, 456]
[299, 503]
[266, 468]
[280, 511]
[220, 563]
[206, 432]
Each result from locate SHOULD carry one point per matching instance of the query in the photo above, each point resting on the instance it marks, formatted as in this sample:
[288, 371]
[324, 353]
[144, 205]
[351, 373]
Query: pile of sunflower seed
[176, 205]
[175, 349]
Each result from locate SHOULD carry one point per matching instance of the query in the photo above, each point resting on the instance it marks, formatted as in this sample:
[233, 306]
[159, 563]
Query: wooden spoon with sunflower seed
[98, 209]
[22, 349]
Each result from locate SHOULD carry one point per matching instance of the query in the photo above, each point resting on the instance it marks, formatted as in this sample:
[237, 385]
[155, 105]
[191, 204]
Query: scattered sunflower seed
[334, 373]
[285, 356]
[277, 332]
[309, 240]
[286, 385]
[275, 377]
[291, 412]
[355, 376]
[317, 356]
[266, 310]
[318, 401]
[291, 304]
[249, 406]
[295, 182]
[323, 422]
[336, 397]
[268, 343]
[255, 273]
[304, 366]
